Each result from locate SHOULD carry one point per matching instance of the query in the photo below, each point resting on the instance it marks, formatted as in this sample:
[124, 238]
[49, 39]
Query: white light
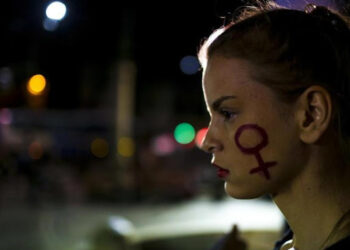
[121, 225]
[56, 11]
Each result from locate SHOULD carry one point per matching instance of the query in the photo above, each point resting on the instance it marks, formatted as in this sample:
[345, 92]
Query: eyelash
[228, 115]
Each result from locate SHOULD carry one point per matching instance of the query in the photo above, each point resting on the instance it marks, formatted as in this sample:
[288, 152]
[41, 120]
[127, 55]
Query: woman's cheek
[250, 140]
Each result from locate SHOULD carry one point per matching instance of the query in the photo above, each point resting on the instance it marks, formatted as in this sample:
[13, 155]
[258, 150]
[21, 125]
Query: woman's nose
[210, 143]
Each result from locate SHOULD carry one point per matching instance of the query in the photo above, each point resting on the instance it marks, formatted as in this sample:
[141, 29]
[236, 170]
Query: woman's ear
[313, 114]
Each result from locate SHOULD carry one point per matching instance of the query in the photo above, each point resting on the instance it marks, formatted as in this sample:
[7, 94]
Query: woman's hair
[291, 50]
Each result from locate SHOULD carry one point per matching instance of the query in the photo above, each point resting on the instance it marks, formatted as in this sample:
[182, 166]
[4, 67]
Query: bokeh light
[163, 145]
[50, 25]
[35, 150]
[200, 136]
[56, 10]
[99, 147]
[189, 65]
[126, 147]
[6, 78]
[36, 84]
[5, 116]
[184, 133]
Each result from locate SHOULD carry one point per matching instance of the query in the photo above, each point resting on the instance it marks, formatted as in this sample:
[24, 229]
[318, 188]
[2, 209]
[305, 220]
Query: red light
[200, 136]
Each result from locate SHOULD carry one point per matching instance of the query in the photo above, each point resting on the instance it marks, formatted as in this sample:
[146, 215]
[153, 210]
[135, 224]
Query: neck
[313, 205]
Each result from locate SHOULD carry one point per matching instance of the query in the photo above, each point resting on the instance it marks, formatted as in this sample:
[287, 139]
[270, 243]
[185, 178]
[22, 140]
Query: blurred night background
[89, 105]
[119, 78]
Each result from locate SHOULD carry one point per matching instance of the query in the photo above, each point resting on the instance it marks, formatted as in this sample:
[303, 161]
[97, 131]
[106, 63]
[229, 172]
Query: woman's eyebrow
[216, 104]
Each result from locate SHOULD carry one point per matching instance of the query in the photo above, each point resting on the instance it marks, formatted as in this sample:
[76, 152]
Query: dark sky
[96, 34]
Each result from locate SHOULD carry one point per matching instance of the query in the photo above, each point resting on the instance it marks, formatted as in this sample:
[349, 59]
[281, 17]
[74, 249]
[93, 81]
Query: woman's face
[253, 137]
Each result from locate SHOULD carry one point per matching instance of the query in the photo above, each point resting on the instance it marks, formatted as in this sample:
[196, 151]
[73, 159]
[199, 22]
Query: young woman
[276, 84]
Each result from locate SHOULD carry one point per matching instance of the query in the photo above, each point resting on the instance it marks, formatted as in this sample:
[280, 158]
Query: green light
[184, 133]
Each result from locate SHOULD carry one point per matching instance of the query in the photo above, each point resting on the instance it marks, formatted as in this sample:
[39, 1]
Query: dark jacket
[343, 244]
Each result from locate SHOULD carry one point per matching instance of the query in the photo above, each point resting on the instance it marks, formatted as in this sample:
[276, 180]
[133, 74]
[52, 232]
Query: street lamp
[55, 12]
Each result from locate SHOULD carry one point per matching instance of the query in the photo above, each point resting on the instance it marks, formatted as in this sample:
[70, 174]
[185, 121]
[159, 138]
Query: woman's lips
[221, 172]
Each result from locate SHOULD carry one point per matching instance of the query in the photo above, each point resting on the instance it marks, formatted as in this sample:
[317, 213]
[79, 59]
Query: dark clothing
[286, 236]
[343, 244]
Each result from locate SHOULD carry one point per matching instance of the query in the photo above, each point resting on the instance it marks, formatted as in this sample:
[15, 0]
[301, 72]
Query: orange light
[36, 84]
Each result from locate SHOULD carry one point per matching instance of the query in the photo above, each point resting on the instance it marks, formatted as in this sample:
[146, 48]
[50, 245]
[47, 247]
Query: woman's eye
[228, 115]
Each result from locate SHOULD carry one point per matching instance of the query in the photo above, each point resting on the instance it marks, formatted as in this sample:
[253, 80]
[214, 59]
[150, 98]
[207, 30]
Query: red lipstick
[221, 172]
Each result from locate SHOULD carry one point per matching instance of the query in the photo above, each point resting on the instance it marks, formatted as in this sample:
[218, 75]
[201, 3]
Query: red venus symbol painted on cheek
[262, 166]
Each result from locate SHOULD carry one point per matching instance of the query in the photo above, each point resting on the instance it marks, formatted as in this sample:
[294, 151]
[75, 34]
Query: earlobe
[314, 113]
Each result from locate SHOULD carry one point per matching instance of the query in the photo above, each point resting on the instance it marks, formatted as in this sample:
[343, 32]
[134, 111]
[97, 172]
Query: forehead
[224, 76]
[233, 77]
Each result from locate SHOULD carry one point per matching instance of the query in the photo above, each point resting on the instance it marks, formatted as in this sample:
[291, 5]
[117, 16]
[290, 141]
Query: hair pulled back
[291, 50]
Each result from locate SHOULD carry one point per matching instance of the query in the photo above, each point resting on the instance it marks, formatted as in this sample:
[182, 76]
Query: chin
[239, 192]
